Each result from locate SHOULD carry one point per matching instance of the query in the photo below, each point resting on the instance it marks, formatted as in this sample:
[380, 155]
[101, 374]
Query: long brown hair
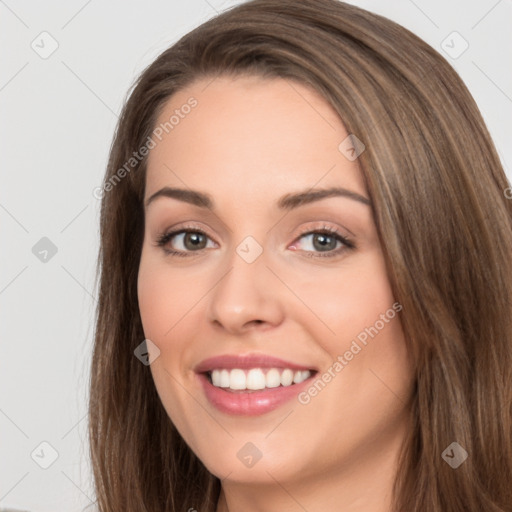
[445, 225]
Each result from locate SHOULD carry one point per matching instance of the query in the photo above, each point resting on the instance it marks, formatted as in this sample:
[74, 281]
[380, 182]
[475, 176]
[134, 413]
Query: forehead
[248, 136]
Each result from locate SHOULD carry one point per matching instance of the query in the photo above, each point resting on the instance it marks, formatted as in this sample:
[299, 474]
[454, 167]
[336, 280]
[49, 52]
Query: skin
[248, 142]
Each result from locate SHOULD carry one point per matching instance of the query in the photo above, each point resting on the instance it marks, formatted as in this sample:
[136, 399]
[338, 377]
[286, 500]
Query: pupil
[323, 239]
[194, 239]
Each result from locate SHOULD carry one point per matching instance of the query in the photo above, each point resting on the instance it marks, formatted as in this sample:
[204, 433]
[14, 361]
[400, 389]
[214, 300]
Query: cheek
[342, 304]
[170, 310]
[163, 301]
[165, 296]
[154, 300]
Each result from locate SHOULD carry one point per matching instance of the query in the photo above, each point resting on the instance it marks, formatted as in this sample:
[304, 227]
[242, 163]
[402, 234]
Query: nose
[246, 297]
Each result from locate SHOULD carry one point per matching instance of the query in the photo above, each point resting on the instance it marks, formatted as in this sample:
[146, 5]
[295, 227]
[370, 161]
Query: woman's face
[262, 272]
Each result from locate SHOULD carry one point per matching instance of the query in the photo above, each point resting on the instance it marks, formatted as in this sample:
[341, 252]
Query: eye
[324, 242]
[187, 240]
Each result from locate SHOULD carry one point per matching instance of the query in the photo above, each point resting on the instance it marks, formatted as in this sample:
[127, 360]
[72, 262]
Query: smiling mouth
[239, 380]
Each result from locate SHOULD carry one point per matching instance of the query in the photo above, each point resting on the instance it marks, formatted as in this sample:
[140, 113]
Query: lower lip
[252, 403]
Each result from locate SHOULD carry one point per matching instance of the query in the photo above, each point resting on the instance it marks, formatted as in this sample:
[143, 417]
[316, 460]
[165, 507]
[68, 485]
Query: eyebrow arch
[286, 202]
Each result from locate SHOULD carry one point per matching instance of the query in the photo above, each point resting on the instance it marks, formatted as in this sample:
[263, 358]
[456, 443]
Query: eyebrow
[286, 202]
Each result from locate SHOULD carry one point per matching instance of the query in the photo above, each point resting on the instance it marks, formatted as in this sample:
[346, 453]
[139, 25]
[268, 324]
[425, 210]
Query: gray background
[57, 122]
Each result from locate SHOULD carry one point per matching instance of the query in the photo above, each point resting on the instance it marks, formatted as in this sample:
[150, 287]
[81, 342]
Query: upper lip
[245, 361]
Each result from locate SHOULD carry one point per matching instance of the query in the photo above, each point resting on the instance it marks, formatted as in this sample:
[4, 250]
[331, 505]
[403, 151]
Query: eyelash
[165, 237]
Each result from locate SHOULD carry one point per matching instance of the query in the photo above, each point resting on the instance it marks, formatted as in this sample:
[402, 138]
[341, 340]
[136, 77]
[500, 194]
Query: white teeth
[286, 377]
[255, 378]
[273, 378]
[224, 379]
[237, 379]
[216, 378]
[301, 376]
[220, 378]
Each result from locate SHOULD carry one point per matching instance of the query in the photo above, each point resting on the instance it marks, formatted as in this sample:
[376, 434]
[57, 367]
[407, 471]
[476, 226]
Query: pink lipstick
[252, 384]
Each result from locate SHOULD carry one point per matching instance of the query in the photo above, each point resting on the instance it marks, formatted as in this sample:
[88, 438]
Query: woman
[305, 277]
